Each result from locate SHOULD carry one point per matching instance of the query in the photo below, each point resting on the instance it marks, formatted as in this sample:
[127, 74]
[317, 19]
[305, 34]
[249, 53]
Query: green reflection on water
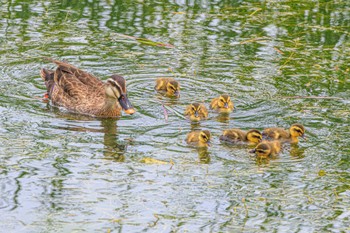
[58, 170]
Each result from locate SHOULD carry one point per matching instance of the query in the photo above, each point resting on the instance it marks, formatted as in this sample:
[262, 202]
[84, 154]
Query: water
[62, 172]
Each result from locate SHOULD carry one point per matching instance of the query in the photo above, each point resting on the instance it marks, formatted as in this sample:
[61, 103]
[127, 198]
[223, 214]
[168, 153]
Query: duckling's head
[204, 137]
[195, 109]
[116, 89]
[173, 88]
[297, 130]
[254, 136]
[224, 101]
[262, 150]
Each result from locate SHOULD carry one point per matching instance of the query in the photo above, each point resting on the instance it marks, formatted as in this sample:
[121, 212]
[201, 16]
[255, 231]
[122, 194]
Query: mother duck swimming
[83, 93]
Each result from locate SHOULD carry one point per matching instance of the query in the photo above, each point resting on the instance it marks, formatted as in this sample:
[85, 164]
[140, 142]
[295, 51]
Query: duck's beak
[304, 137]
[209, 143]
[126, 105]
[226, 105]
[177, 93]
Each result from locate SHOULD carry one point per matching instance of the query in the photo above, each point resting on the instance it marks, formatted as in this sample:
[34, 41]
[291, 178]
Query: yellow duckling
[199, 138]
[169, 86]
[267, 148]
[252, 136]
[222, 104]
[196, 112]
[295, 131]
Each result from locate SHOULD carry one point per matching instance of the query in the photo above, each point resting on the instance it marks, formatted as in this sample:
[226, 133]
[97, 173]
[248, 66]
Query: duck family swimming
[83, 93]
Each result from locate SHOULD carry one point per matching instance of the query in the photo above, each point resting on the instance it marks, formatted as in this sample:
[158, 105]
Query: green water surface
[282, 62]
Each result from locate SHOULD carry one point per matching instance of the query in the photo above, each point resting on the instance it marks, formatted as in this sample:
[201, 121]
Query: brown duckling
[196, 112]
[169, 86]
[199, 138]
[252, 136]
[222, 104]
[295, 131]
[81, 92]
[267, 148]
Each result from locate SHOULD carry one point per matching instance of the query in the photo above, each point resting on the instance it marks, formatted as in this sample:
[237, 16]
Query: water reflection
[203, 155]
[259, 50]
[113, 149]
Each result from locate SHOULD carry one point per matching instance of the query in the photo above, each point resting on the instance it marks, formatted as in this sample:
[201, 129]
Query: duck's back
[75, 89]
[275, 133]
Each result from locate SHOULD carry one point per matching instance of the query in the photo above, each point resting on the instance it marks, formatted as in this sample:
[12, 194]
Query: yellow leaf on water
[321, 172]
[152, 161]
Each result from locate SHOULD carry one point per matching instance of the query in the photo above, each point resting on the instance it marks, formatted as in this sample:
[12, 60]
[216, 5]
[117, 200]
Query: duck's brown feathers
[79, 91]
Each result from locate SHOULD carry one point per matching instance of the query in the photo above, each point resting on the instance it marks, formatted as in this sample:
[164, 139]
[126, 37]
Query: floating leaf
[152, 161]
[321, 172]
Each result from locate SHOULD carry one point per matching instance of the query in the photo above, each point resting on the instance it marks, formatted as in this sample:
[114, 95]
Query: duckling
[222, 104]
[267, 148]
[252, 136]
[199, 138]
[169, 86]
[295, 131]
[196, 112]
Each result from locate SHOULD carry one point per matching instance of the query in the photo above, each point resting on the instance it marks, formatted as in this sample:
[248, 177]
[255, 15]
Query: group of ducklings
[268, 143]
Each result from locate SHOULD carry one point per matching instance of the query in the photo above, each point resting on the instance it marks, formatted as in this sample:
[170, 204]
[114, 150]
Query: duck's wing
[76, 73]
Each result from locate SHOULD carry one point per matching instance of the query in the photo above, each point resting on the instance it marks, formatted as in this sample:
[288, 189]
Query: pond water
[281, 61]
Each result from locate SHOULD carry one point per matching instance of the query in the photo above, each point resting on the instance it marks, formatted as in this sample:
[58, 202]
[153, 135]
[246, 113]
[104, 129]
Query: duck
[291, 135]
[222, 104]
[252, 136]
[169, 86]
[196, 112]
[199, 138]
[80, 92]
[267, 149]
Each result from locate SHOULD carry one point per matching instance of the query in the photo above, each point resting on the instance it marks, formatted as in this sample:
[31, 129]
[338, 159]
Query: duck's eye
[260, 151]
[193, 109]
[222, 100]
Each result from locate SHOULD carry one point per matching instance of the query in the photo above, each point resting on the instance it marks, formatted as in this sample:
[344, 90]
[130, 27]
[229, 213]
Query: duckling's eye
[222, 100]
[193, 109]
[260, 151]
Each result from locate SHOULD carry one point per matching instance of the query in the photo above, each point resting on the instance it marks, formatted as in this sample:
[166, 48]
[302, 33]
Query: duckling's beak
[126, 105]
[304, 137]
[177, 93]
[209, 143]
[252, 151]
[196, 113]
[226, 105]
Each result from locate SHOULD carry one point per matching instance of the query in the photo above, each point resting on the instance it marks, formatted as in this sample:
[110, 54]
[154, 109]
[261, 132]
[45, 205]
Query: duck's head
[224, 101]
[254, 136]
[194, 111]
[297, 130]
[173, 88]
[204, 137]
[262, 150]
[116, 89]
